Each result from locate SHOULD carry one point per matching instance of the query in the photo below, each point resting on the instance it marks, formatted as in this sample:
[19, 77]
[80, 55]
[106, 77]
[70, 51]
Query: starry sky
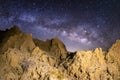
[80, 24]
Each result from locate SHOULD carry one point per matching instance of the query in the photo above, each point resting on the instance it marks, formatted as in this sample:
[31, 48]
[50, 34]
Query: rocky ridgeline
[24, 58]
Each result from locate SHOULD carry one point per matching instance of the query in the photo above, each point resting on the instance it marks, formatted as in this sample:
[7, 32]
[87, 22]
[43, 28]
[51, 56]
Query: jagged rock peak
[115, 45]
[14, 30]
[15, 38]
[25, 58]
[114, 53]
[4, 35]
[54, 47]
[113, 60]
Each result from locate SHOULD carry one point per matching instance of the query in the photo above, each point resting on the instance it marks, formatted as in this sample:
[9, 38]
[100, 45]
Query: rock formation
[24, 58]
[14, 38]
[54, 47]
[113, 60]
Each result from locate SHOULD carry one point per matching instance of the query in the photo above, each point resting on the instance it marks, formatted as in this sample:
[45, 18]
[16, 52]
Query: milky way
[80, 24]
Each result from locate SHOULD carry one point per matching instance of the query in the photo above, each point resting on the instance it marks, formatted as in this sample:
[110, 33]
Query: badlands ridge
[25, 58]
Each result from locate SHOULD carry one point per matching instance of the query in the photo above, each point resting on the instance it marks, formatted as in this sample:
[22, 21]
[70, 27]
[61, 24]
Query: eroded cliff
[25, 58]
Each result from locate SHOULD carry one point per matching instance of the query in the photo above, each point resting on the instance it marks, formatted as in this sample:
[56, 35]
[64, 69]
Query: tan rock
[54, 47]
[21, 59]
[113, 60]
[88, 65]
[14, 38]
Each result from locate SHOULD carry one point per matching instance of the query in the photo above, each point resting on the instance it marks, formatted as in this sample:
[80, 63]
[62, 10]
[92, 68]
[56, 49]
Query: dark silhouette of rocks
[25, 58]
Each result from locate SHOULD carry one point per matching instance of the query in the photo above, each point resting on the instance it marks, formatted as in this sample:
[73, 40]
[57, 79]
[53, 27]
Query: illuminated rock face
[113, 60]
[24, 58]
[88, 65]
[54, 47]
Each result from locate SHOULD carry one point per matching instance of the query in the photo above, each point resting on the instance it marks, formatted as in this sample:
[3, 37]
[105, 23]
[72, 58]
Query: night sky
[80, 24]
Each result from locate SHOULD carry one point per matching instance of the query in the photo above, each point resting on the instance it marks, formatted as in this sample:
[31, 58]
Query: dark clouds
[80, 24]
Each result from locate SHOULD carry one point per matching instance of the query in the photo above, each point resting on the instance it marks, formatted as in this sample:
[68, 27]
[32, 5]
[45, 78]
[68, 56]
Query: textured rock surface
[113, 60]
[14, 38]
[54, 47]
[24, 58]
[88, 65]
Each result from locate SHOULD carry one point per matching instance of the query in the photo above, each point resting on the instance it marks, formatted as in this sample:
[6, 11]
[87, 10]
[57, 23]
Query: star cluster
[80, 24]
